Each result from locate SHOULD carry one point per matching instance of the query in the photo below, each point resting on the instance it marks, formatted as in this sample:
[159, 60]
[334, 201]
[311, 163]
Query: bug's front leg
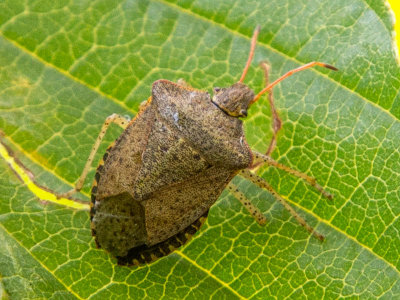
[114, 118]
[276, 120]
[183, 83]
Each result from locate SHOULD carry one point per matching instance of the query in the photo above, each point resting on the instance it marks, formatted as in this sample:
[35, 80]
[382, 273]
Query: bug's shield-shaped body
[165, 171]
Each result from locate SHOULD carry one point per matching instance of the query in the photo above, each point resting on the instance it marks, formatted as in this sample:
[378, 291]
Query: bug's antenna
[291, 72]
[251, 53]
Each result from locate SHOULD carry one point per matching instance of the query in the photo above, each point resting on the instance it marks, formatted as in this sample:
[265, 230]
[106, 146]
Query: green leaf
[66, 66]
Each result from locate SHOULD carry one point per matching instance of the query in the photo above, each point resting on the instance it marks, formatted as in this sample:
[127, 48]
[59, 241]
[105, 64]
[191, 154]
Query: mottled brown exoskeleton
[154, 187]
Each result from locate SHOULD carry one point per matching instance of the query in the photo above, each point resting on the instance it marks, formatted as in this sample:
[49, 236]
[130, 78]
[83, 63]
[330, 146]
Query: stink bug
[156, 182]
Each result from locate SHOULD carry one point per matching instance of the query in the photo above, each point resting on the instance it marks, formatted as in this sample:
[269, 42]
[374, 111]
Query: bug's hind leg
[114, 118]
[265, 185]
[254, 211]
[264, 159]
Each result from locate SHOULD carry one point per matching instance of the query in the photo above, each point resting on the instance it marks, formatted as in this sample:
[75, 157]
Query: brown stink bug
[156, 182]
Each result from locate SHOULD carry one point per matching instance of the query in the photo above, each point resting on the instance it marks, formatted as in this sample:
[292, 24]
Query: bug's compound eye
[243, 113]
[217, 89]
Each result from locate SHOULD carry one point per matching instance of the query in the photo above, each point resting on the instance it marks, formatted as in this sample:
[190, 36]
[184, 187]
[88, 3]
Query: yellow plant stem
[38, 191]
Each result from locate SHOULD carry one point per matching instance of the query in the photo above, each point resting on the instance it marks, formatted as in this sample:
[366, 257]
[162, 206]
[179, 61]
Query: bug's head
[233, 100]
[236, 99]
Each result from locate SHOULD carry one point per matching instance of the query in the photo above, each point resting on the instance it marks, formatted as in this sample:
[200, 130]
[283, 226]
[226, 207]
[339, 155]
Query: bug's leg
[183, 83]
[265, 185]
[254, 211]
[261, 158]
[114, 118]
[276, 121]
[142, 105]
